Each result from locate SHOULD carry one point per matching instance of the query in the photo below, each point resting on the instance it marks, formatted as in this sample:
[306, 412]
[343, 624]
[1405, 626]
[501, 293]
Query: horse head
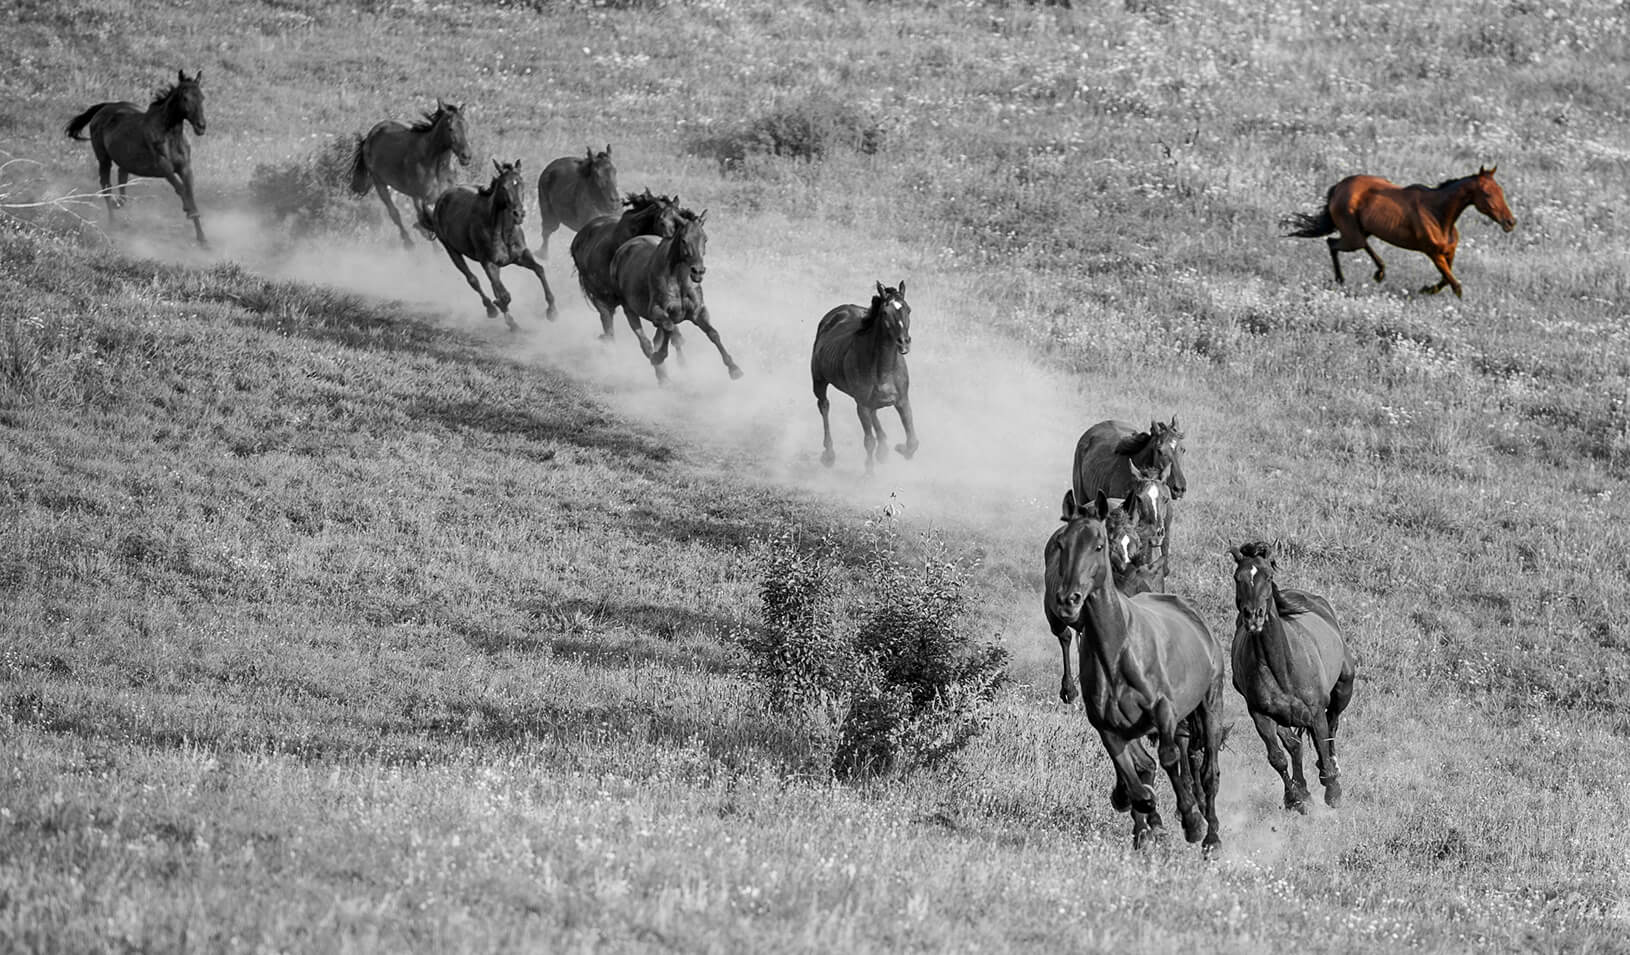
[1166, 455]
[448, 122]
[598, 169]
[1489, 199]
[186, 101]
[892, 314]
[1150, 502]
[1077, 557]
[505, 189]
[1253, 583]
[689, 245]
[1124, 537]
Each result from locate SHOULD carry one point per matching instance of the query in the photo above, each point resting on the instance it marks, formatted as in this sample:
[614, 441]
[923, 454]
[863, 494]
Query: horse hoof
[1194, 826]
[1380, 275]
[827, 457]
[607, 337]
[734, 372]
[905, 451]
[1212, 846]
[1458, 293]
[1332, 794]
[551, 314]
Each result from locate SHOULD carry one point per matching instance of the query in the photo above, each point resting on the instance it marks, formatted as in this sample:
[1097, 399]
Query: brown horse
[1416, 217]
[596, 244]
[863, 352]
[416, 160]
[1149, 667]
[485, 225]
[573, 191]
[1110, 453]
[660, 281]
[147, 143]
[1294, 669]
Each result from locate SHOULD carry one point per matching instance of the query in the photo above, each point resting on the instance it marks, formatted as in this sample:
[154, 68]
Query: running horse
[147, 143]
[1415, 217]
[596, 244]
[1149, 667]
[573, 192]
[863, 352]
[1294, 669]
[485, 225]
[416, 160]
[660, 281]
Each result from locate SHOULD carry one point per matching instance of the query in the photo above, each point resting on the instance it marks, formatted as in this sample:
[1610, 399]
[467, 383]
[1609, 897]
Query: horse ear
[701, 215]
[1493, 168]
[1129, 504]
[879, 289]
[497, 165]
[588, 153]
[1132, 466]
[181, 76]
[1101, 505]
[1174, 423]
[608, 150]
[1069, 506]
[902, 288]
[441, 104]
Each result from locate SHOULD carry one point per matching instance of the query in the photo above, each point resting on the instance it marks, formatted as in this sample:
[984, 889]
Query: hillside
[337, 618]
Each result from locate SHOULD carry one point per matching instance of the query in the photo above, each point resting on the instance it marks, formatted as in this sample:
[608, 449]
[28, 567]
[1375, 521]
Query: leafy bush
[313, 191]
[804, 129]
[906, 688]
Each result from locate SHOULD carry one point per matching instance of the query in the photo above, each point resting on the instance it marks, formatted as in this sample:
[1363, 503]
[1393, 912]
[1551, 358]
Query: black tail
[359, 171]
[78, 123]
[1305, 226]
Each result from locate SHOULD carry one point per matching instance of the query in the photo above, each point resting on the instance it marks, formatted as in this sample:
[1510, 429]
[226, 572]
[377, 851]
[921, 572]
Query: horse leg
[1133, 777]
[870, 439]
[1324, 746]
[104, 166]
[182, 183]
[882, 439]
[1206, 749]
[124, 181]
[1174, 759]
[1295, 796]
[407, 243]
[1335, 258]
[1292, 740]
[526, 260]
[645, 342]
[1442, 262]
[827, 455]
[1069, 685]
[677, 342]
[705, 323]
[500, 293]
[458, 260]
[907, 450]
[1380, 266]
[1340, 695]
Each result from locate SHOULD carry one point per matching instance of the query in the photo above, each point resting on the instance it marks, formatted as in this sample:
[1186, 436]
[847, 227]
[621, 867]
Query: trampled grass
[336, 619]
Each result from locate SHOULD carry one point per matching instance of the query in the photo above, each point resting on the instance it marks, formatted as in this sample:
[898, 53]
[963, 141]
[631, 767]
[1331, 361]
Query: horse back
[1311, 617]
[454, 219]
[1097, 466]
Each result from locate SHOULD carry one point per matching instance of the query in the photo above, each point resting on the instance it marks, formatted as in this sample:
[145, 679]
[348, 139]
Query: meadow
[338, 619]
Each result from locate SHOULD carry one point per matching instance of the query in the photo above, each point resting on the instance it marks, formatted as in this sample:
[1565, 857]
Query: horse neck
[879, 352]
[1105, 621]
[1273, 643]
[1451, 200]
[673, 259]
[166, 112]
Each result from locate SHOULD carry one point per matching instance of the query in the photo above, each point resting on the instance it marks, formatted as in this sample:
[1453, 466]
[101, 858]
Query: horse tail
[359, 170]
[1306, 226]
[78, 123]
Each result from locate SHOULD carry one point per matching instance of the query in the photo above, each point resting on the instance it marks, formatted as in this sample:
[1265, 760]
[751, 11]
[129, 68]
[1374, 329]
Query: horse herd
[1141, 661]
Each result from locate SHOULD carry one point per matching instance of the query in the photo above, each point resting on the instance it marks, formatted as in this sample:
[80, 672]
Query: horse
[1109, 455]
[572, 192]
[863, 352]
[1149, 667]
[1294, 669]
[596, 244]
[147, 143]
[485, 225]
[1414, 217]
[416, 160]
[660, 281]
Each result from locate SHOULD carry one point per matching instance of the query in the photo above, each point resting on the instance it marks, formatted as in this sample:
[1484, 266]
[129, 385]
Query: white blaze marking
[1251, 571]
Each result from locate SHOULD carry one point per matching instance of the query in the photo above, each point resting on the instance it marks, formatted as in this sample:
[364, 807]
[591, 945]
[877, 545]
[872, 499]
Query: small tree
[802, 653]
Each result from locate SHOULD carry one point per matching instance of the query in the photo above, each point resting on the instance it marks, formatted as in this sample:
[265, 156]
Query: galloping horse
[596, 244]
[1109, 454]
[1149, 667]
[1149, 500]
[1294, 669]
[1415, 217]
[416, 160]
[863, 352]
[573, 191]
[660, 280]
[485, 225]
[147, 143]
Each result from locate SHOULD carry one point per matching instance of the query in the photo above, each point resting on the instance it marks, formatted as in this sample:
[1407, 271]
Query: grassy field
[337, 619]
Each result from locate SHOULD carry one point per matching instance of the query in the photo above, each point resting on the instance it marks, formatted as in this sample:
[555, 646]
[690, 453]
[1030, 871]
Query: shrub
[891, 666]
[312, 191]
[804, 129]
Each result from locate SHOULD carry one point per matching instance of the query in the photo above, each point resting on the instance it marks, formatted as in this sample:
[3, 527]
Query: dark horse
[147, 143]
[660, 280]
[416, 160]
[1149, 667]
[573, 191]
[485, 225]
[1113, 457]
[1293, 667]
[863, 352]
[1416, 217]
[596, 244]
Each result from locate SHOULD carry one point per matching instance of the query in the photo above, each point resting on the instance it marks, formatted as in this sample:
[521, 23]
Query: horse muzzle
[905, 346]
[697, 274]
[1508, 224]
[198, 127]
[1255, 620]
[1069, 605]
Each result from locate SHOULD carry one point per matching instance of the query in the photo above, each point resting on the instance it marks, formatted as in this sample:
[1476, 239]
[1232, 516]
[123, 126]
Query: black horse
[485, 225]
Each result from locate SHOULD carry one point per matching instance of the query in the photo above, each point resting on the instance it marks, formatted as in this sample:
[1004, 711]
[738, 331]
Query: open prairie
[337, 618]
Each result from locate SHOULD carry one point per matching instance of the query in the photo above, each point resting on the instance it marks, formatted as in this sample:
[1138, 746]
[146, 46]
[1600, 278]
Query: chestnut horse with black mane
[572, 192]
[149, 142]
[1148, 666]
[1415, 217]
[485, 225]
[863, 352]
[416, 160]
[1293, 666]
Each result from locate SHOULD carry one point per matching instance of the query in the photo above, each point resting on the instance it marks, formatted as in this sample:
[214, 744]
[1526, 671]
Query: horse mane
[1133, 443]
[638, 202]
[1452, 182]
[428, 123]
[165, 94]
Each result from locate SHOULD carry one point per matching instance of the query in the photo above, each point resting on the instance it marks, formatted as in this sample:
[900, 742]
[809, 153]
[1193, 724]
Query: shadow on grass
[578, 424]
